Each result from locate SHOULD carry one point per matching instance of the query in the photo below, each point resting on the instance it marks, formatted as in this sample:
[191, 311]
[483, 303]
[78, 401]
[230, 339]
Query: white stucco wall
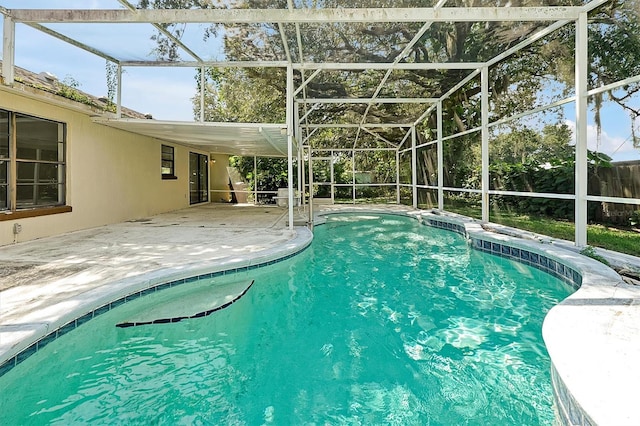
[112, 175]
[219, 178]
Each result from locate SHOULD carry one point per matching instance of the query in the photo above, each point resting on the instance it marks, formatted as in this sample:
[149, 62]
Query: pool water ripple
[406, 326]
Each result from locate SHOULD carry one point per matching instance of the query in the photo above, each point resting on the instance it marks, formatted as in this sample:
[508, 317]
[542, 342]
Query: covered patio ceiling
[246, 139]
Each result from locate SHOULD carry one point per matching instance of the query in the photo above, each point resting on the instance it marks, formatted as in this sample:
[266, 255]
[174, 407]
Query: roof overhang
[248, 139]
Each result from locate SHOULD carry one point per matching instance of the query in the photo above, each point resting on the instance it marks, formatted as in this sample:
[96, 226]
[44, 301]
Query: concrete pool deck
[594, 337]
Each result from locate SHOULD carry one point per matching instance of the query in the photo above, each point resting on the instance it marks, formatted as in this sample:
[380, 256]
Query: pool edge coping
[101, 299]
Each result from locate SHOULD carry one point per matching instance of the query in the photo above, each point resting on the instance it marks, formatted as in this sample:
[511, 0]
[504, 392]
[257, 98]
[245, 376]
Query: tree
[515, 83]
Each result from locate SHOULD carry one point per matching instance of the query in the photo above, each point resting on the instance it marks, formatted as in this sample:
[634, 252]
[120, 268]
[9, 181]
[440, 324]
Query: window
[32, 162]
[168, 163]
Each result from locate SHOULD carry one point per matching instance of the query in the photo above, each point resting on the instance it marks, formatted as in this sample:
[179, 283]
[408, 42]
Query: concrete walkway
[47, 282]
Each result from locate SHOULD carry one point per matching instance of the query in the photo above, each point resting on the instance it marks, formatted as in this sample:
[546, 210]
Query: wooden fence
[620, 180]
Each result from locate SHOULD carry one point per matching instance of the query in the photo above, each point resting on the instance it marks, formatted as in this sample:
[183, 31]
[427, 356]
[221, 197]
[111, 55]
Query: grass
[607, 237]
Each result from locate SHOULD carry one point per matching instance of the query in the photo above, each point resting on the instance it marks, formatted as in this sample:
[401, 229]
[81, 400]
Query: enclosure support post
[296, 132]
[310, 171]
[397, 176]
[353, 175]
[332, 179]
[440, 159]
[414, 169]
[581, 175]
[255, 180]
[8, 50]
[119, 94]
[202, 89]
[290, 142]
[485, 142]
[303, 183]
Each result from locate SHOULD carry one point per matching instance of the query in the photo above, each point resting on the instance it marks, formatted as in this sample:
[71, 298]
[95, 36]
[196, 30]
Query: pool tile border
[547, 264]
[15, 360]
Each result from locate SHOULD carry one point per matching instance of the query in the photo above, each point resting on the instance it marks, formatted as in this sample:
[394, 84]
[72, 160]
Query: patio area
[46, 282]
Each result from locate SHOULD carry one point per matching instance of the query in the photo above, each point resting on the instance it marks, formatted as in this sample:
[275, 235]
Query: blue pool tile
[132, 296]
[544, 262]
[568, 272]
[535, 258]
[577, 278]
[525, 255]
[66, 328]
[163, 286]
[7, 366]
[46, 340]
[101, 310]
[26, 353]
[486, 245]
[148, 291]
[118, 302]
[191, 279]
[84, 318]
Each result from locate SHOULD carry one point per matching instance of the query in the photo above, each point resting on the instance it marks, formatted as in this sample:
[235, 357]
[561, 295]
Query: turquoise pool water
[381, 321]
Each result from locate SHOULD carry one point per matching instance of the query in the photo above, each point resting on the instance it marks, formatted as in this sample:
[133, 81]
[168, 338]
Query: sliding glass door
[198, 178]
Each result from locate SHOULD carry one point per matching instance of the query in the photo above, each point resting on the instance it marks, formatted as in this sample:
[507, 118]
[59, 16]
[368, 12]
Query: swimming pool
[381, 320]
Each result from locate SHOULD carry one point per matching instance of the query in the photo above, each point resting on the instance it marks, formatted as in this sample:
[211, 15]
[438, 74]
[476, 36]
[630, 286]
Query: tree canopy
[256, 94]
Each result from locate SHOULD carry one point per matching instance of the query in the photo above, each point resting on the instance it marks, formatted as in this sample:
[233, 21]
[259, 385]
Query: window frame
[13, 207]
[171, 175]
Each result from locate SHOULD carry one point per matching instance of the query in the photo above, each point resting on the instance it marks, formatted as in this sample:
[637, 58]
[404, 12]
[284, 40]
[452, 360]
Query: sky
[166, 92]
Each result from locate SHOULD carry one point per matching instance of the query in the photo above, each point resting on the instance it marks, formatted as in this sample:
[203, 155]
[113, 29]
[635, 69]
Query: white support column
[8, 50]
[255, 180]
[414, 168]
[290, 142]
[119, 94]
[353, 175]
[202, 90]
[581, 176]
[485, 143]
[333, 181]
[300, 161]
[303, 183]
[310, 170]
[398, 177]
[440, 159]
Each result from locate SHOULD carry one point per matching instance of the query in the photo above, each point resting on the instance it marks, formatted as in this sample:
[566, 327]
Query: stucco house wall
[112, 175]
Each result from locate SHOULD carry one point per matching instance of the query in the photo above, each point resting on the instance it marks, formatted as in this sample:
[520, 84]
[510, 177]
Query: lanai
[292, 138]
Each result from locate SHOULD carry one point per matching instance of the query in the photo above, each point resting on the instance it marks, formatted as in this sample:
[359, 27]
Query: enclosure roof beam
[355, 126]
[326, 66]
[368, 100]
[535, 37]
[164, 31]
[308, 16]
[212, 64]
[73, 42]
[375, 135]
